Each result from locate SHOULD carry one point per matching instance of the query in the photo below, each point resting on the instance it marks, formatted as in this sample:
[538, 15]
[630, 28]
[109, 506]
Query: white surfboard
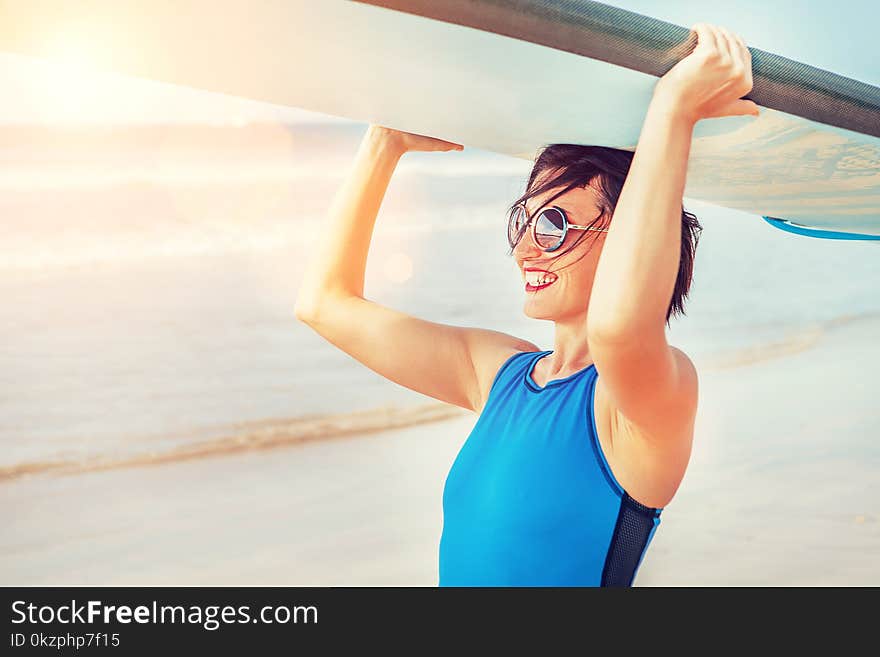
[481, 73]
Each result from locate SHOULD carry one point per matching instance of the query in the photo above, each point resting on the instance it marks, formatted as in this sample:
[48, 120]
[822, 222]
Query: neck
[571, 351]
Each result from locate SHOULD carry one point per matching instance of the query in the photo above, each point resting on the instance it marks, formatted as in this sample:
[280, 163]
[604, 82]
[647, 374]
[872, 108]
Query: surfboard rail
[797, 229]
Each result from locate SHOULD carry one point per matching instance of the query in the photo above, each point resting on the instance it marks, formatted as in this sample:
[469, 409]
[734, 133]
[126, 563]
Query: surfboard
[505, 77]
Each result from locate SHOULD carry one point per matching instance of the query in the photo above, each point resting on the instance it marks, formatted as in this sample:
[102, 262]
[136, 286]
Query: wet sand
[782, 489]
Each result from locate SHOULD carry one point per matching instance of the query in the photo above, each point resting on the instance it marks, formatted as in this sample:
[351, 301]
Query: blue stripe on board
[782, 224]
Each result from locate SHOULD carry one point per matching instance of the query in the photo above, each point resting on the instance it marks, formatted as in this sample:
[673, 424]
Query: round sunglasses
[548, 229]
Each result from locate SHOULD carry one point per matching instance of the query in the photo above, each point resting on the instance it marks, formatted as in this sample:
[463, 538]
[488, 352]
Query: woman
[577, 449]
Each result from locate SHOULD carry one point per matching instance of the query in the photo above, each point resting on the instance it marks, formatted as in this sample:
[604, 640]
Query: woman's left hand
[711, 81]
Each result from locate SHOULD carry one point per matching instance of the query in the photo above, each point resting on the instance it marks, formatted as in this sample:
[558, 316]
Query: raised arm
[451, 363]
[653, 384]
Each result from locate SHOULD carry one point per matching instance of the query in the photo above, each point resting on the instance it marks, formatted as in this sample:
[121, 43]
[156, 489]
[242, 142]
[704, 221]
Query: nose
[526, 247]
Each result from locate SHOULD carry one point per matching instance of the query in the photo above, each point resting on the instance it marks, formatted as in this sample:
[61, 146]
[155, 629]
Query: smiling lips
[538, 279]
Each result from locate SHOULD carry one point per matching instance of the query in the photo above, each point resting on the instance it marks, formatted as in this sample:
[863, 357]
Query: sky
[838, 36]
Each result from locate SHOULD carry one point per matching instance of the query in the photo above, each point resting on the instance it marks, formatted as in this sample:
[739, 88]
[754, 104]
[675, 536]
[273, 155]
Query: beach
[164, 419]
[781, 491]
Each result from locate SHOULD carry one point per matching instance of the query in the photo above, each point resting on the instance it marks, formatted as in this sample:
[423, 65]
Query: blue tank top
[530, 499]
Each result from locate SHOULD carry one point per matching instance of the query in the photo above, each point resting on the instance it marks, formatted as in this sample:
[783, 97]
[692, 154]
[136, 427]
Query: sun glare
[74, 89]
[72, 52]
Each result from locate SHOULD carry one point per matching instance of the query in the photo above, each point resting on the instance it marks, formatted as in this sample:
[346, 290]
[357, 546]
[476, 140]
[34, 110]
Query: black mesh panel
[634, 525]
[652, 46]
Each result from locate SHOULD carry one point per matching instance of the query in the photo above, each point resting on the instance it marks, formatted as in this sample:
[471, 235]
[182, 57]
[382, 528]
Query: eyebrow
[546, 204]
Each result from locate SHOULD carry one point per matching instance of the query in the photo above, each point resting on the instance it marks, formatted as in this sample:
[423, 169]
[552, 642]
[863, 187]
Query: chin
[535, 311]
[551, 312]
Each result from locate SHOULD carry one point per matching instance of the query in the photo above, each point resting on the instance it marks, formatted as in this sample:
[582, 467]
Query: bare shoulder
[489, 351]
[688, 378]
[650, 463]
[681, 405]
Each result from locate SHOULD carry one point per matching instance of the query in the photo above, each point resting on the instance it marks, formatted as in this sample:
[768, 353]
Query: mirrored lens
[550, 228]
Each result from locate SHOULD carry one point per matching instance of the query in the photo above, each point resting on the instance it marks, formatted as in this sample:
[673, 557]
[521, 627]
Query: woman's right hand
[408, 141]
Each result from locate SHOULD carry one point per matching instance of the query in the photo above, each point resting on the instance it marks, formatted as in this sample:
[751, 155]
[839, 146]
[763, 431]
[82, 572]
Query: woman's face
[571, 272]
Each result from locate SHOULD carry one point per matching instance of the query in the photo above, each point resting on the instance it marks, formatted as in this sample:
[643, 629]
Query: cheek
[577, 283]
[580, 269]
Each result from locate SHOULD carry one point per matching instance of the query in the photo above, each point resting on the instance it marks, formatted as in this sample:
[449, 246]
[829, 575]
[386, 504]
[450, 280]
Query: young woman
[577, 449]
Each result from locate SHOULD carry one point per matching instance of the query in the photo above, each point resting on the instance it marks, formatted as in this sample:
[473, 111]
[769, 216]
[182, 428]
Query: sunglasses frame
[531, 226]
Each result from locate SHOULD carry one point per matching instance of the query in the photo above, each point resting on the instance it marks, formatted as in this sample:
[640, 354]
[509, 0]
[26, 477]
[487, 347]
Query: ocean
[149, 276]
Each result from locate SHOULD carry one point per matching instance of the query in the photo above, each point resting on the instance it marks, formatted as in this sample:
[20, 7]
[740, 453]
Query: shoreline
[251, 436]
[286, 432]
[782, 489]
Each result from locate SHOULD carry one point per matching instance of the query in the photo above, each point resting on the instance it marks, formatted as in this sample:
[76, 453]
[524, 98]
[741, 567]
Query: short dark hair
[577, 165]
